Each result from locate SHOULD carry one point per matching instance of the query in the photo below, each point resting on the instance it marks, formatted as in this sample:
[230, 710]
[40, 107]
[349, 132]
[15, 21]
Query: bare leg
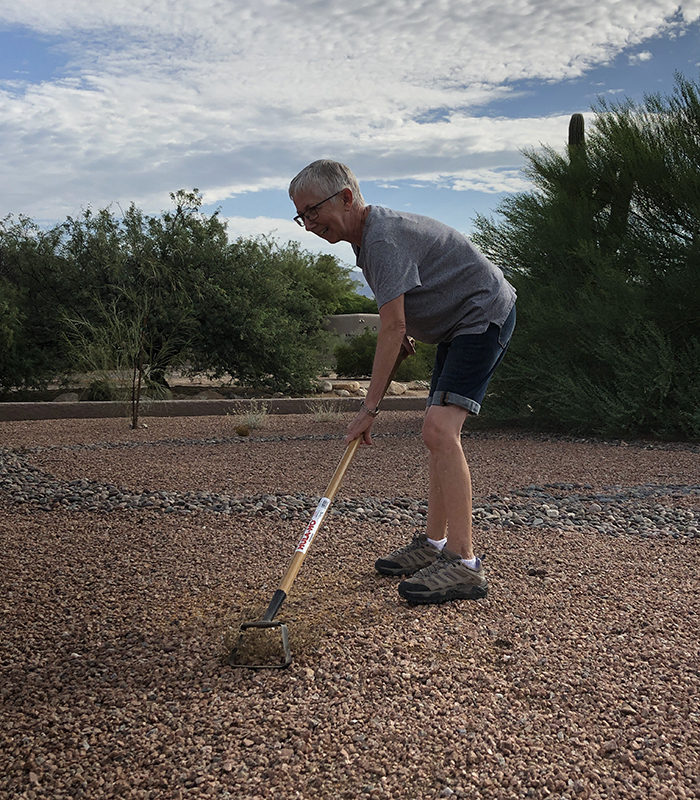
[450, 496]
[436, 527]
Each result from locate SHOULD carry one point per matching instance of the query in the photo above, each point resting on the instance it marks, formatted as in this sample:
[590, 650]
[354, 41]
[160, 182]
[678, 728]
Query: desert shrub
[418, 367]
[355, 357]
[605, 255]
[103, 389]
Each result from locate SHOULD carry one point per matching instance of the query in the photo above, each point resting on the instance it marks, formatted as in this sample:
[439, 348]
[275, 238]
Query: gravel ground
[130, 558]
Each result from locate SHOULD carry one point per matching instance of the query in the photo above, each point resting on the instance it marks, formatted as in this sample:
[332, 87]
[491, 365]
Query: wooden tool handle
[316, 522]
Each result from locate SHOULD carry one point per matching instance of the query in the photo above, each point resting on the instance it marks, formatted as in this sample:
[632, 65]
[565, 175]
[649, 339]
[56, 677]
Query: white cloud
[639, 58]
[235, 98]
[283, 230]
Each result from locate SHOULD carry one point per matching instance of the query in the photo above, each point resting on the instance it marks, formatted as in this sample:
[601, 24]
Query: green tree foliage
[260, 314]
[32, 296]
[139, 315]
[100, 292]
[605, 254]
[10, 327]
[355, 357]
[356, 304]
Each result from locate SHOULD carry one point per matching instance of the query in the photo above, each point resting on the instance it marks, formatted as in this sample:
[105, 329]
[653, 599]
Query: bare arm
[391, 337]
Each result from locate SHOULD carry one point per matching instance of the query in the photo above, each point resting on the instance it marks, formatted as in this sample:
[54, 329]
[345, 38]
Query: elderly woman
[430, 283]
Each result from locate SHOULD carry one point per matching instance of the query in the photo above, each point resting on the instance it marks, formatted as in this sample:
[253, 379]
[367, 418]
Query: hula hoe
[268, 621]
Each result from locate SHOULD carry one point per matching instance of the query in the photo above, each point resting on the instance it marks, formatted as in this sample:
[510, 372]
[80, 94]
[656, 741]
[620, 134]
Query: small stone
[608, 747]
[395, 389]
[67, 397]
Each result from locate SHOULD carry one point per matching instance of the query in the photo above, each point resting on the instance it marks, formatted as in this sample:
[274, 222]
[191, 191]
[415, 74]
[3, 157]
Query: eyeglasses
[312, 213]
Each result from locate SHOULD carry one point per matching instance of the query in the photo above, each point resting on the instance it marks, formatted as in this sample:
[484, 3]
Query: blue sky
[431, 103]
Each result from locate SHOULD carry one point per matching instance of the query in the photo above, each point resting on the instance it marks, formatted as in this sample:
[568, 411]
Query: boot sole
[422, 598]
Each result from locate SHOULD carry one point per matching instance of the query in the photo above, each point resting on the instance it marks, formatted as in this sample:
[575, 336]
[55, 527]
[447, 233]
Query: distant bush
[103, 389]
[356, 304]
[150, 294]
[418, 367]
[354, 358]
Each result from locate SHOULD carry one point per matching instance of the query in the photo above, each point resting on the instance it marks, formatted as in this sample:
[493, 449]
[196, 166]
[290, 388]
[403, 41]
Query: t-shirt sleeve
[389, 272]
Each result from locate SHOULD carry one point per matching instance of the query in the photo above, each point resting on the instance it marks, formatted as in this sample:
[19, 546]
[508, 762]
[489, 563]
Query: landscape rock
[396, 388]
[67, 397]
[348, 386]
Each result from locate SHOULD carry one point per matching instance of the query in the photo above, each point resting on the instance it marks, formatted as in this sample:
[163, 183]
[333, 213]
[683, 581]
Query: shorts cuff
[452, 399]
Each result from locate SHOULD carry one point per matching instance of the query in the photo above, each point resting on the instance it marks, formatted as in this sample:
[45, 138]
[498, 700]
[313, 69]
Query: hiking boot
[445, 579]
[409, 559]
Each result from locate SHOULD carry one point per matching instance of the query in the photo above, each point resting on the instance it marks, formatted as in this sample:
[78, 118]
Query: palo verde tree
[141, 318]
[605, 254]
[182, 295]
[140, 295]
[35, 289]
[261, 313]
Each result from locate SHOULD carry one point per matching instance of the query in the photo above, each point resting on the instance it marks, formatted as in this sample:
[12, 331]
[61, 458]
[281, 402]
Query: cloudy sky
[429, 101]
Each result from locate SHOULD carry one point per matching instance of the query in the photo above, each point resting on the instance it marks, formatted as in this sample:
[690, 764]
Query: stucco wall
[349, 325]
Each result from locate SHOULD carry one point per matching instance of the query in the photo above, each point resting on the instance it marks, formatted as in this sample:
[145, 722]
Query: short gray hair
[328, 177]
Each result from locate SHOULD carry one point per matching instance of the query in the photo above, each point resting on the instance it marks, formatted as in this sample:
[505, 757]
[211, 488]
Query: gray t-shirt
[449, 287]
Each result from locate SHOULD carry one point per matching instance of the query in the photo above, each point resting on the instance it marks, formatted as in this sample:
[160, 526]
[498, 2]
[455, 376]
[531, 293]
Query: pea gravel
[130, 557]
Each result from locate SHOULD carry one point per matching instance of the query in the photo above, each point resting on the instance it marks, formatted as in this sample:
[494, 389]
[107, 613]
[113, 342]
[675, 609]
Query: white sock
[438, 543]
[472, 563]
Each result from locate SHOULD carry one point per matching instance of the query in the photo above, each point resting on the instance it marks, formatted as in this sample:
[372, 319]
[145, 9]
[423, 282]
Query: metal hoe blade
[233, 658]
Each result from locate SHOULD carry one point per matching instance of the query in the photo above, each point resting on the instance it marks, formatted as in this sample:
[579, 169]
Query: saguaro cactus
[612, 190]
[576, 131]
[578, 185]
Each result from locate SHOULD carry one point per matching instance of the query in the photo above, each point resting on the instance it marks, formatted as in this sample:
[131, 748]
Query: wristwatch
[371, 412]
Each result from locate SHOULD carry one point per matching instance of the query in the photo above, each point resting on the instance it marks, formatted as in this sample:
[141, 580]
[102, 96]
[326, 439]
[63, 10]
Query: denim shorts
[464, 366]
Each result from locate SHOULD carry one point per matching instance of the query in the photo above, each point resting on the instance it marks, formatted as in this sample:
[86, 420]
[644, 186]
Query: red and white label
[314, 525]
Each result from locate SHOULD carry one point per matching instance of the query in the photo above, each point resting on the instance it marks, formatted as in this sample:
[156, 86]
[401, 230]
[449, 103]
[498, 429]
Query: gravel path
[130, 558]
